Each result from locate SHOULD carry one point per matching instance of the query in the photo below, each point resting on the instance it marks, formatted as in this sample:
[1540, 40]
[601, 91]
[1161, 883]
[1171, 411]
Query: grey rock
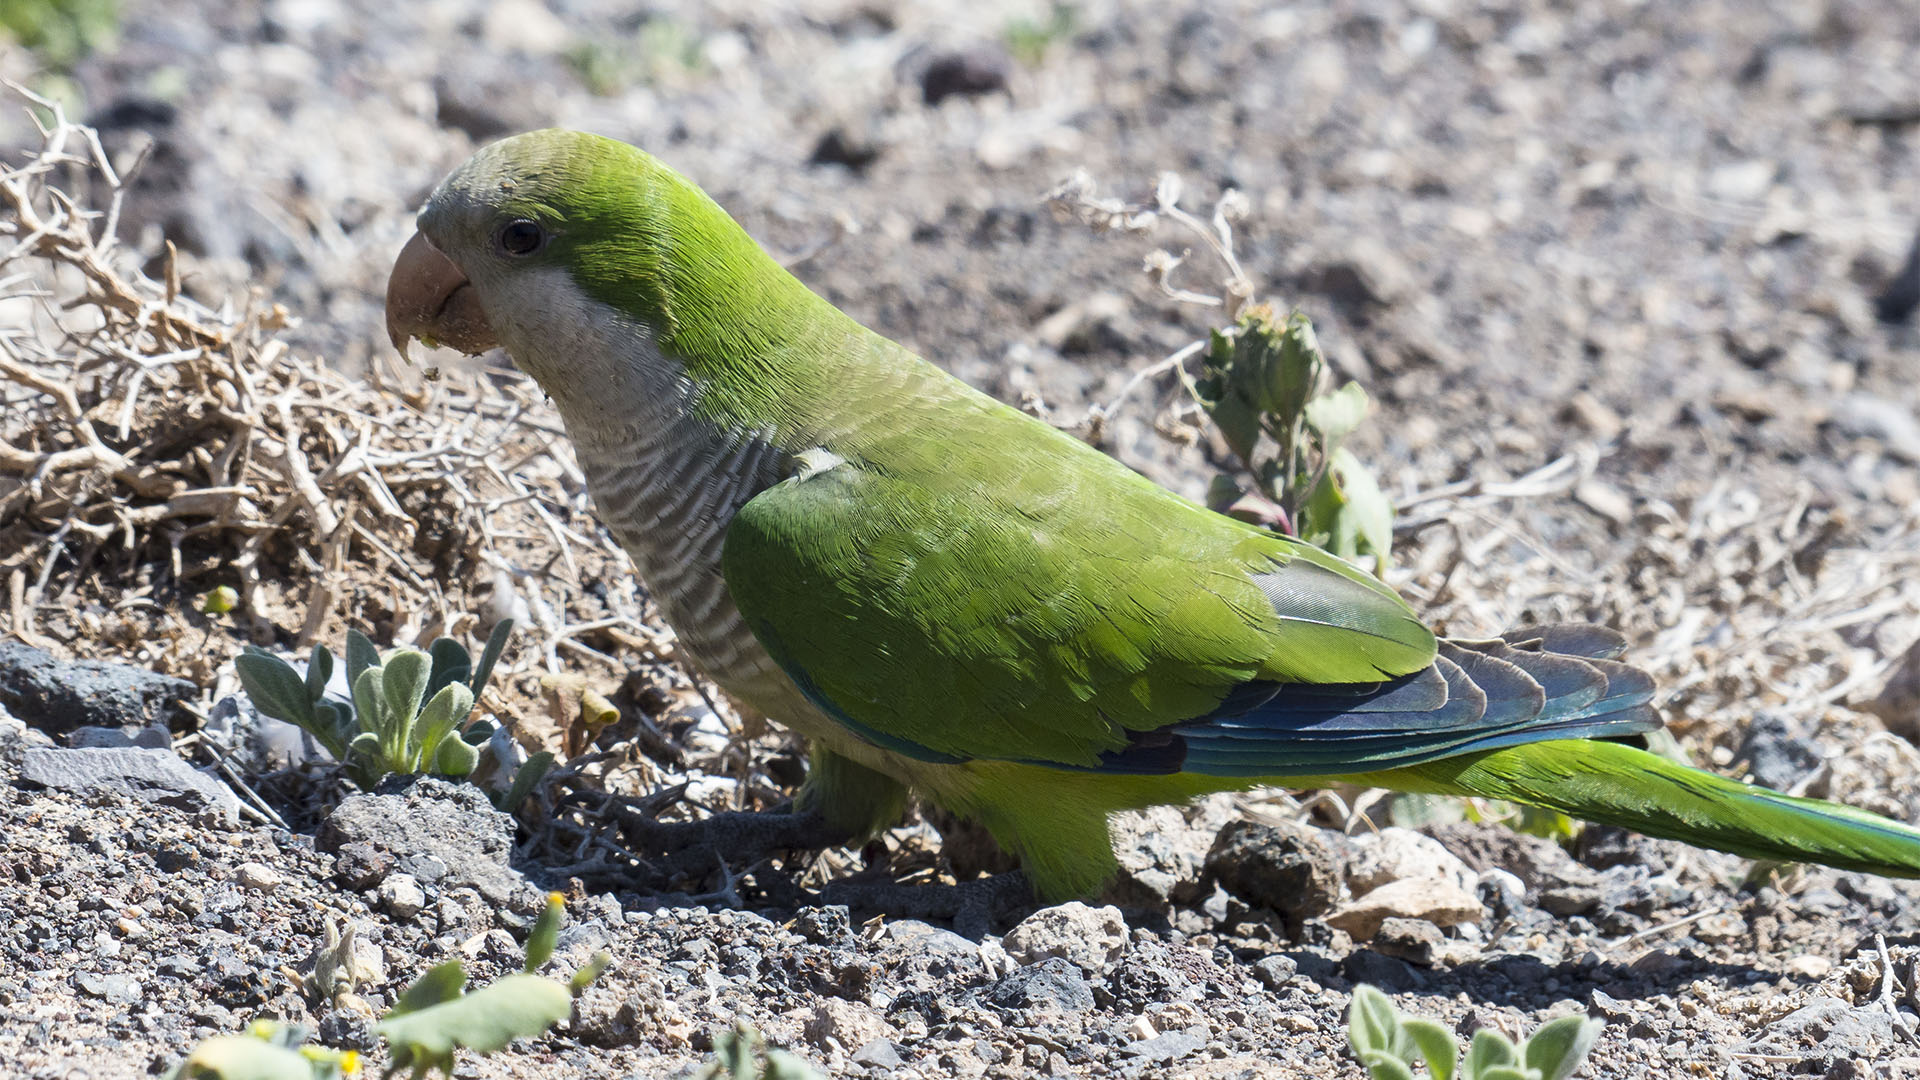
[156, 776]
[56, 695]
[1165, 1049]
[1412, 940]
[878, 1054]
[257, 876]
[401, 896]
[1891, 423]
[831, 925]
[1830, 1025]
[972, 72]
[1777, 751]
[1050, 986]
[1087, 936]
[437, 827]
[1381, 970]
[119, 989]
[1292, 869]
[1275, 972]
[153, 737]
[1898, 300]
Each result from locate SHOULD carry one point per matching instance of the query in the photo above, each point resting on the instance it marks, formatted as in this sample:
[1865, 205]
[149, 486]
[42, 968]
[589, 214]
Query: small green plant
[742, 1054]
[1030, 39]
[406, 712]
[1260, 384]
[432, 1019]
[1388, 1044]
[267, 1050]
[60, 31]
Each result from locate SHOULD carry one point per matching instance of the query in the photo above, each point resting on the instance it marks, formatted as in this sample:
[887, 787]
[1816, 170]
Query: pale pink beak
[429, 298]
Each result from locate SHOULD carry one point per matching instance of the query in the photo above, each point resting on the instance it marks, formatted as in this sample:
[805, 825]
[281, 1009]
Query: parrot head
[551, 244]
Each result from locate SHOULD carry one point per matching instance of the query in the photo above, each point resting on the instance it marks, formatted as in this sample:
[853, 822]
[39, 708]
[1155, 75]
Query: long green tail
[1616, 784]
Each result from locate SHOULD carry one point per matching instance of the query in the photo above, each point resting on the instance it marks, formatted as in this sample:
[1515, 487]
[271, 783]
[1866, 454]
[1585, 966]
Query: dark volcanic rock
[437, 831]
[56, 695]
[152, 775]
[1292, 869]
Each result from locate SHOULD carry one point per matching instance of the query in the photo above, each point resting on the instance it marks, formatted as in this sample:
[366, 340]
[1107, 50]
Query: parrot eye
[522, 238]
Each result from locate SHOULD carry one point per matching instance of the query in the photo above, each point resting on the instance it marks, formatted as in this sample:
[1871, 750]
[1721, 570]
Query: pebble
[1395, 854]
[1438, 902]
[845, 1022]
[1292, 869]
[257, 876]
[1089, 937]
[401, 896]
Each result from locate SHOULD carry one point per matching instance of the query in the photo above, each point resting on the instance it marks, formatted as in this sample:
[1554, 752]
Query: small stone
[824, 925]
[878, 1054]
[1721, 928]
[257, 876]
[1378, 969]
[1395, 854]
[1809, 966]
[360, 865]
[845, 1022]
[119, 989]
[1051, 986]
[972, 72]
[1292, 869]
[1093, 938]
[1438, 902]
[1165, 1049]
[1570, 899]
[1503, 893]
[1275, 972]
[401, 896]
[1412, 940]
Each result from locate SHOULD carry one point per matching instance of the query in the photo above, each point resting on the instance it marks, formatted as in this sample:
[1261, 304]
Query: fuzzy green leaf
[371, 708]
[1507, 1072]
[443, 713]
[361, 655]
[403, 683]
[545, 933]
[1334, 416]
[514, 1007]
[451, 664]
[277, 690]
[1559, 1047]
[1436, 1046]
[456, 757]
[1373, 1025]
[1489, 1050]
[440, 983]
[1384, 1066]
[243, 1057]
[490, 655]
[596, 966]
[319, 671]
[524, 779]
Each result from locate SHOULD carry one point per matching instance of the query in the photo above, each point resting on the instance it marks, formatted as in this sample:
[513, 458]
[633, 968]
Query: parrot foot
[974, 907]
[688, 848]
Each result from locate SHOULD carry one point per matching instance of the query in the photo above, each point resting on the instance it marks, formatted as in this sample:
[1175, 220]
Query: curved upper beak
[429, 298]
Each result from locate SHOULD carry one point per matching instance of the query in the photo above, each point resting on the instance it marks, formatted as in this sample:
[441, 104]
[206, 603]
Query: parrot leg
[842, 802]
[690, 847]
[974, 907]
[849, 795]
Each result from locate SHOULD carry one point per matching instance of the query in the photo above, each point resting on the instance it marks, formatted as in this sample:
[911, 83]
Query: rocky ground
[1625, 280]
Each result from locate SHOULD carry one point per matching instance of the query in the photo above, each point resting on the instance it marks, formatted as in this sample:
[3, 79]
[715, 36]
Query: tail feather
[1620, 785]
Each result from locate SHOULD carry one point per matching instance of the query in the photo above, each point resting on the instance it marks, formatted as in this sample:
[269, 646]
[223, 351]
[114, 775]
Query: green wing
[1047, 613]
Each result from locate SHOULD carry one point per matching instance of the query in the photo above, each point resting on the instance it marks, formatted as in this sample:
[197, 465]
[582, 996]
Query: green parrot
[948, 597]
